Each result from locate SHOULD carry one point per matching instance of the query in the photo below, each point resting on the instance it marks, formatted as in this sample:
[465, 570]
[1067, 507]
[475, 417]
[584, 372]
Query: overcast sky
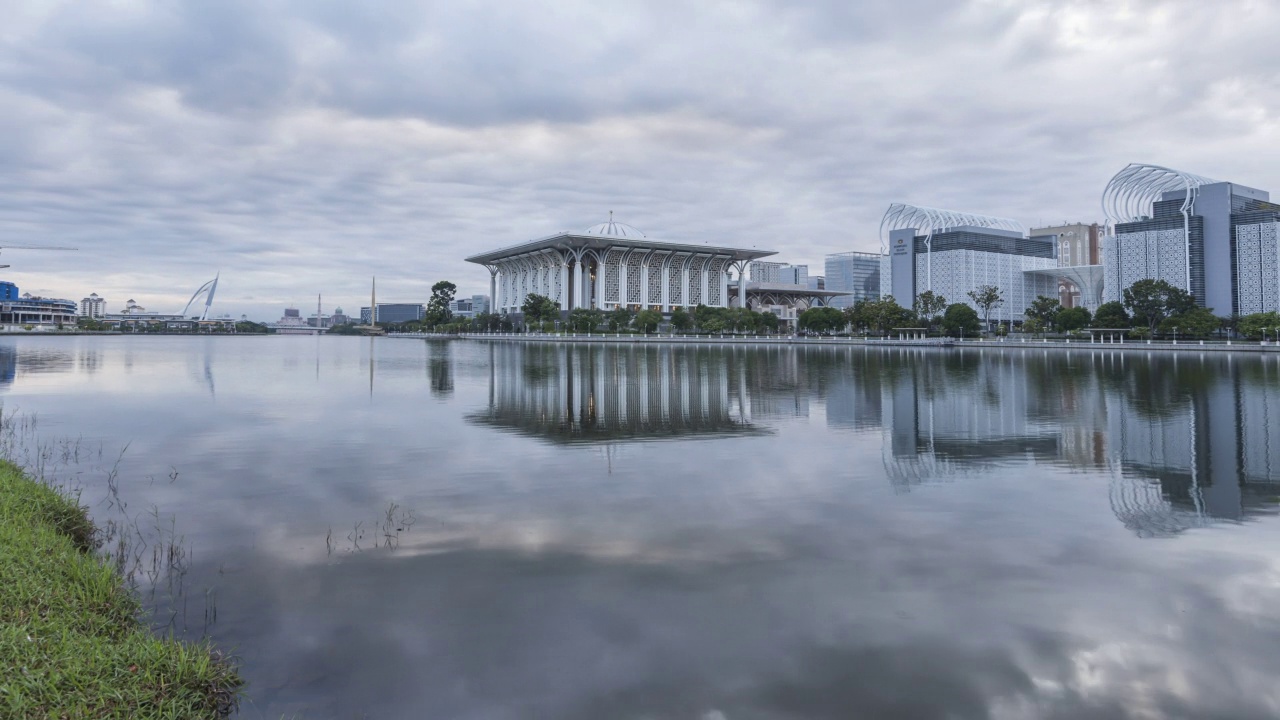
[300, 147]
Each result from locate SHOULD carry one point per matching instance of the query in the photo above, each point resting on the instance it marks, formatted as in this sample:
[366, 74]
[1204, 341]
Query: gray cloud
[301, 147]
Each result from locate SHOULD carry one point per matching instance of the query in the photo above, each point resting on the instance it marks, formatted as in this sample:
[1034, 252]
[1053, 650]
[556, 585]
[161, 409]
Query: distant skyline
[303, 147]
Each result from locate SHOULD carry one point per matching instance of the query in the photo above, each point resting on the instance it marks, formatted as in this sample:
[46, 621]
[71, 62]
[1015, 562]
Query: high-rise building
[764, 272]
[93, 306]
[1216, 240]
[853, 272]
[954, 253]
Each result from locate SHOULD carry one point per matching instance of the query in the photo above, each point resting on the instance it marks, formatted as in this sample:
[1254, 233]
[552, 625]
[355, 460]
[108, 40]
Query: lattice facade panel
[1154, 254]
[633, 278]
[613, 275]
[956, 272]
[1257, 274]
[653, 291]
[675, 280]
[693, 291]
[715, 278]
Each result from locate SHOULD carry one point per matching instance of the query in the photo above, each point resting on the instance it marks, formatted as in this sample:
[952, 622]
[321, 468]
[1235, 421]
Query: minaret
[373, 302]
[318, 323]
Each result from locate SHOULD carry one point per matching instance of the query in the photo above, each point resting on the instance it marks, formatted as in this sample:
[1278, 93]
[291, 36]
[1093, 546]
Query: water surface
[400, 528]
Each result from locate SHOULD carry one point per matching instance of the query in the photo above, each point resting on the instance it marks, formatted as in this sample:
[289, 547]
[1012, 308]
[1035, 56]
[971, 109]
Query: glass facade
[853, 272]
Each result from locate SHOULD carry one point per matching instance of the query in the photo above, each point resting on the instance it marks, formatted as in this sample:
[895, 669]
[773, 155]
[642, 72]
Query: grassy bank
[71, 642]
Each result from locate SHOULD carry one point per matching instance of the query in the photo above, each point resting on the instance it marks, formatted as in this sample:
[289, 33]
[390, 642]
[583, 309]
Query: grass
[72, 644]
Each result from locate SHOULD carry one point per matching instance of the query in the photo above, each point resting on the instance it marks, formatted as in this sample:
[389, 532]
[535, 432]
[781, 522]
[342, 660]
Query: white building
[613, 265]
[93, 306]
[1220, 241]
[953, 253]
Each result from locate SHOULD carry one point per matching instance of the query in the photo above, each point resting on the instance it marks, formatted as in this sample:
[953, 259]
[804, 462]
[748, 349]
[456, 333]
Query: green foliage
[1111, 315]
[1045, 309]
[620, 319]
[1152, 301]
[879, 316]
[960, 320]
[539, 308]
[71, 643]
[584, 320]
[1033, 326]
[767, 323]
[438, 312]
[647, 321]
[1195, 323]
[681, 320]
[252, 328]
[987, 297]
[1075, 318]
[1259, 325]
[928, 306]
[822, 320]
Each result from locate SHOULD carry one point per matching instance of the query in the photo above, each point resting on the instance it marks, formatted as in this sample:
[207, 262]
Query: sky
[303, 146]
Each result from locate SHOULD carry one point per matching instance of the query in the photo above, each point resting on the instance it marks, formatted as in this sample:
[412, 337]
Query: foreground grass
[71, 643]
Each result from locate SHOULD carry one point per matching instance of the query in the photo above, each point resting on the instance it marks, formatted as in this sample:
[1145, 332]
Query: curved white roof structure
[929, 220]
[1131, 192]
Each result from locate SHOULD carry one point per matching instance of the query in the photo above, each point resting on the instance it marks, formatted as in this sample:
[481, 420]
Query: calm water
[396, 528]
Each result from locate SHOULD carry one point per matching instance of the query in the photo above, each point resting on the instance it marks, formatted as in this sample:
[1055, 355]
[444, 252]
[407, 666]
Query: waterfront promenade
[1008, 343]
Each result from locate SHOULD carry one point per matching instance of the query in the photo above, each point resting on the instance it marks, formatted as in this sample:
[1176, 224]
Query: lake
[397, 528]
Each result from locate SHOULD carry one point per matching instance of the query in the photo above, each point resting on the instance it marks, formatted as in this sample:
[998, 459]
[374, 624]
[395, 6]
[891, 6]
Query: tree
[647, 320]
[1111, 315]
[1259, 325]
[584, 320]
[438, 306]
[767, 322]
[1074, 318]
[960, 320]
[821, 320]
[1045, 309]
[533, 306]
[986, 297]
[619, 318]
[885, 314]
[681, 320]
[1195, 323]
[1151, 301]
[928, 305]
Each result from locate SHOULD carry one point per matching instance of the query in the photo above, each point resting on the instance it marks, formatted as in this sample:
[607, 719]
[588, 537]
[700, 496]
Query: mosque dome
[613, 228]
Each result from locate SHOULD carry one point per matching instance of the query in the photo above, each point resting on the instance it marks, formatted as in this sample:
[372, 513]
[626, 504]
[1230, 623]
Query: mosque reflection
[605, 393]
[1185, 439]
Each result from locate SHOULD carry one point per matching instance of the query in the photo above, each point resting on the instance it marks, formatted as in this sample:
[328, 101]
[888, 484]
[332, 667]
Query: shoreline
[75, 628]
[840, 342]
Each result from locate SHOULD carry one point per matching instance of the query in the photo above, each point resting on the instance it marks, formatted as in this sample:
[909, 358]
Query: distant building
[816, 282]
[394, 313]
[857, 273]
[33, 310]
[470, 307]
[93, 306]
[764, 272]
[1078, 244]
[953, 253]
[1217, 240]
[339, 318]
[778, 273]
[133, 308]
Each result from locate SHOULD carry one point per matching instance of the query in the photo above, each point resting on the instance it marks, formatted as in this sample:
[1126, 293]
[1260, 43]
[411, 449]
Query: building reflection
[606, 393]
[1186, 439]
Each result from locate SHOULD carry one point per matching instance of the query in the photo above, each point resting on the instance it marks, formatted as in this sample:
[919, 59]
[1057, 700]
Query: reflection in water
[1185, 439]
[839, 532]
[594, 393]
